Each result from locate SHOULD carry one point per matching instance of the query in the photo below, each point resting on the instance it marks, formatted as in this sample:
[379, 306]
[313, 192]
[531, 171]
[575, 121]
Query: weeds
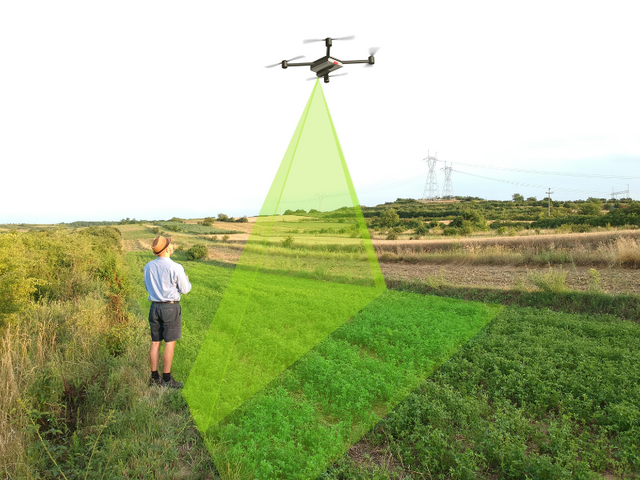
[553, 281]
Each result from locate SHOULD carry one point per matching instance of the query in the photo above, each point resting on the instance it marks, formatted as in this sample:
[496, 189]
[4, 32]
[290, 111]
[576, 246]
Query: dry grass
[588, 240]
[615, 249]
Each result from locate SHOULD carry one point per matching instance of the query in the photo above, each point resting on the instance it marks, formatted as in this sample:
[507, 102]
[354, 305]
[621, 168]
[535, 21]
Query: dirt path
[508, 276]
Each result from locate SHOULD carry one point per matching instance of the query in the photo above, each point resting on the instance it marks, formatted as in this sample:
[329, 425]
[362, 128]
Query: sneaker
[170, 384]
[155, 381]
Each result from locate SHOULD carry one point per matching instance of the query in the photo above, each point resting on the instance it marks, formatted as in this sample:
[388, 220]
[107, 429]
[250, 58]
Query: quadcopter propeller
[372, 52]
[280, 63]
[309, 40]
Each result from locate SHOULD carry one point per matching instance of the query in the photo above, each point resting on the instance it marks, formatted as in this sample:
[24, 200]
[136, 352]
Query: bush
[197, 252]
[392, 235]
[450, 231]
[242, 219]
[581, 228]
[421, 230]
[287, 242]
[116, 339]
[208, 221]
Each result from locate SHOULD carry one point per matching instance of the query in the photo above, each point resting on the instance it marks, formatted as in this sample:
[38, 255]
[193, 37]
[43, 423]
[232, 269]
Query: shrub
[242, 219]
[287, 242]
[594, 280]
[392, 235]
[450, 231]
[224, 218]
[421, 229]
[197, 252]
[225, 238]
[581, 228]
[208, 221]
[116, 339]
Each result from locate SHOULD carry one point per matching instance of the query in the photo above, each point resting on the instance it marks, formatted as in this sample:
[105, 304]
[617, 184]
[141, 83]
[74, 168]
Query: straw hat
[160, 244]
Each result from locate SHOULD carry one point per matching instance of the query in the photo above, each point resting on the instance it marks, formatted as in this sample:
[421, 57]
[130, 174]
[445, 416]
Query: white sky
[154, 109]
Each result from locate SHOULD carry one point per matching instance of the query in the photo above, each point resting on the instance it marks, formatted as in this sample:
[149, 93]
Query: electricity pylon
[431, 187]
[447, 191]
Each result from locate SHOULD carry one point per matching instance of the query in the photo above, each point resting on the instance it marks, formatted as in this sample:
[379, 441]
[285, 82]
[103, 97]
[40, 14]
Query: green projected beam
[292, 286]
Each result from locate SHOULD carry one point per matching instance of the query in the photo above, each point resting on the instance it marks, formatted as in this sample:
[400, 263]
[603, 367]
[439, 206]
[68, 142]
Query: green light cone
[299, 277]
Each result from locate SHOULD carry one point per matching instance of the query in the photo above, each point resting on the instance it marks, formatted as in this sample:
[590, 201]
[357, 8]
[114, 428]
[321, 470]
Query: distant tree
[177, 220]
[389, 218]
[223, 218]
[242, 219]
[532, 199]
[516, 197]
[208, 221]
[590, 208]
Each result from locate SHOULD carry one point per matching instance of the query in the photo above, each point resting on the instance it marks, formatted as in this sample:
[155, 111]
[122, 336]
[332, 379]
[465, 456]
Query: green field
[548, 393]
[336, 392]
[537, 393]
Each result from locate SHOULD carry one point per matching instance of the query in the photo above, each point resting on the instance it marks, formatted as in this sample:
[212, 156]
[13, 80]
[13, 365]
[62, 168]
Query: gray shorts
[165, 320]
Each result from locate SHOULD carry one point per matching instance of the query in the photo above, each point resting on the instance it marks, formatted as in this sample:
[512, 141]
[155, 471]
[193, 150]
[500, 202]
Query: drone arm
[298, 64]
[370, 61]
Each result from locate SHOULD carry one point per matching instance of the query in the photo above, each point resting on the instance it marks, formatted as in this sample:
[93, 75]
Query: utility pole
[549, 194]
[431, 187]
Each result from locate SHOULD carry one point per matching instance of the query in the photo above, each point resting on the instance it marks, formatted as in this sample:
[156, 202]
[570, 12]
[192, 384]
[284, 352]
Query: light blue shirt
[165, 280]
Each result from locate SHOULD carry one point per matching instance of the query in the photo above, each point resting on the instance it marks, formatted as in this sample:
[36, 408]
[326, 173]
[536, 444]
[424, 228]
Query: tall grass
[585, 249]
[74, 398]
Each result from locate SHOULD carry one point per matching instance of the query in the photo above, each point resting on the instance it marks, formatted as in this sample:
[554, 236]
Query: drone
[323, 66]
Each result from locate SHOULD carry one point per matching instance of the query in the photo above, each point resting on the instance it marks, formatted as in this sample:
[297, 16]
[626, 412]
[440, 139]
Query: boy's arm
[184, 286]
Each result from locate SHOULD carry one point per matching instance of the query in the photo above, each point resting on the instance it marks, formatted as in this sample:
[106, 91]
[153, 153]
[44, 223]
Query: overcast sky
[159, 109]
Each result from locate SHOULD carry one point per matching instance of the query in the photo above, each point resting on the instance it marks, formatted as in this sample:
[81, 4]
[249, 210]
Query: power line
[571, 190]
[544, 172]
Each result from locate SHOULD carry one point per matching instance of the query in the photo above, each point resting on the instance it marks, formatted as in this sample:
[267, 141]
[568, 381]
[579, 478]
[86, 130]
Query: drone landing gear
[326, 78]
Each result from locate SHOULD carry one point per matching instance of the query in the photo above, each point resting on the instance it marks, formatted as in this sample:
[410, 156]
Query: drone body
[323, 66]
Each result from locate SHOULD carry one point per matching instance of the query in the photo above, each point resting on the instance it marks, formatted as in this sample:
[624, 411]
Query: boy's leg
[154, 355]
[167, 358]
